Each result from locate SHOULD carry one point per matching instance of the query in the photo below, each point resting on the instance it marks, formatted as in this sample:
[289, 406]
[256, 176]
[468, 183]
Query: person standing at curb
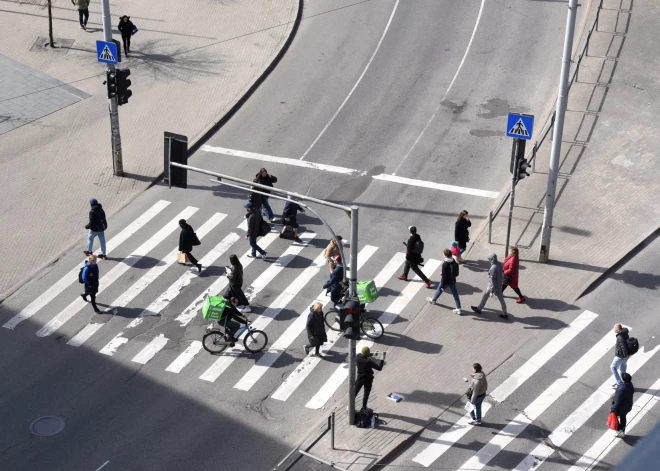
[263, 178]
[254, 223]
[97, 225]
[315, 329]
[83, 12]
[478, 389]
[449, 274]
[511, 269]
[621, 355]
[365, 373]
[623, 402]
[187, 239]
[90, 277]
[495, 275]
[461, 232]
[414, 249]
[235, 288]
[289, 218]
[126, 27]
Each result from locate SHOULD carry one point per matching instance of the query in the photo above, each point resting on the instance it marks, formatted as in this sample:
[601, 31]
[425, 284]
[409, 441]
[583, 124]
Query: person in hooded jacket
[254, 219]
[125, 27]
[90, 277]
[264, 178]
[235, 288]
[494, 288]
[511, 269]
[413, 260]
[315, 329]
[621, 355]
[186, 241]
[623, 402]
[448, 281]
[478, 388]
[461, 232]
[96, 226]
[334, 283]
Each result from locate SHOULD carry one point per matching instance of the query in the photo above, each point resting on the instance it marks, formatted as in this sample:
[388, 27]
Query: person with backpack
[96, 226]
[334, 283]
[315, 329]
[494, 288]
[511, 269]
[289, 219]
[89, 276]
[461, 232]
[264, 178]
[448, 280]
[188, 239]
[621, 353]
[235, 288]
[414, 249]
[254, 229]
[365, 373]
[623, 402]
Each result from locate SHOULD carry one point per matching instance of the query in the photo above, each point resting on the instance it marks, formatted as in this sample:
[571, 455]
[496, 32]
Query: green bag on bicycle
[213, 307]
[367, 291]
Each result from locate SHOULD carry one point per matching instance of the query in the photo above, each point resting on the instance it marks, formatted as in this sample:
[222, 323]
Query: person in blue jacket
[334, 282]
[90, 277]
[623, 402]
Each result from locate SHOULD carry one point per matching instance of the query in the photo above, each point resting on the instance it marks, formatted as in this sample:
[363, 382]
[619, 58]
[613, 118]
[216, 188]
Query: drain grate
[47, 426]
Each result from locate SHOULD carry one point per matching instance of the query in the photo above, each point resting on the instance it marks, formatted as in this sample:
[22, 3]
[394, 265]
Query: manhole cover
[47, 426]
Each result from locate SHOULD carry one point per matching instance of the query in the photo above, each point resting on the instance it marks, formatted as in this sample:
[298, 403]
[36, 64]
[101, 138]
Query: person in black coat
[254, 224]
[187, 239]
[126, 27]
[334, 283]
[315, 329]
[289, 218]
[235, 288]
[90, 277]
[413, 259]
[96, 226]
[365, 373]
[264, 178]
[623, 402]
[461, 232]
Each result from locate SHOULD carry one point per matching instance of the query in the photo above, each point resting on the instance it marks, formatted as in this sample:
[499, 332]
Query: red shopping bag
[613, 422]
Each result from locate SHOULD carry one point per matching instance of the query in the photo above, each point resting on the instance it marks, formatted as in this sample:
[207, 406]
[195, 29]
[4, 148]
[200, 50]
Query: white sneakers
[244, 308]
[620, 434]
[431, 301]
[457, 311]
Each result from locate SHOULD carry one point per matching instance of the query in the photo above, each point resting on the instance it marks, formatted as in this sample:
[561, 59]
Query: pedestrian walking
[448, 281]
[264, 178]
[365, 373]
[126, 28]
[235, 287]
[334, 283]
[494, 288]
[289, 218]
[621, 354]
[90, 277]
[315, 329]
[623, 402]
[477, 393]
[414, 249]
[188, 239]
[461, 232]
[332, 253]
[456, 252]
[253, 217]
[83, 12]
[511, 268]
[96, 228]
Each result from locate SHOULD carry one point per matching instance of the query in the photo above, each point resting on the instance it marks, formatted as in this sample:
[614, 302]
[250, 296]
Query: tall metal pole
[513, 194]
[352, 289]
[115, 137]
[557, 133]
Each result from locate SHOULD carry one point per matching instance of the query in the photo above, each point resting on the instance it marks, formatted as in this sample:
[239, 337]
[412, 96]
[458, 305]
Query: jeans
[441, 287]
[367, 390]
[477, 408]
[619, 364]
[266, 209]
[90, 240]
[410, 265]
[255, 247]
[231, 327]
[83, 16]
[497, 293]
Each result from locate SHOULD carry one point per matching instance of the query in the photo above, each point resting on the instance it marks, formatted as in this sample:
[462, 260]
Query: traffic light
[123, 83]
[341, 317]
[352, 319]
[523, 165]
[111, 83]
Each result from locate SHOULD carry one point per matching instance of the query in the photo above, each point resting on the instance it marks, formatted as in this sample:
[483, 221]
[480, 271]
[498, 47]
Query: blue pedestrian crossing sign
[106, 52]
[520, 126]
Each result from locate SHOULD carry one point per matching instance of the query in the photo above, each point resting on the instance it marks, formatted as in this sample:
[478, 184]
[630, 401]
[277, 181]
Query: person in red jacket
[511, 273]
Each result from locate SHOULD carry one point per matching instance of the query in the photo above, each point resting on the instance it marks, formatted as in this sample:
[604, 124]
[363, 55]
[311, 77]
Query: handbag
[195, 240]
[506, 279]
[134, 30]
[469, 393]
[613, 422]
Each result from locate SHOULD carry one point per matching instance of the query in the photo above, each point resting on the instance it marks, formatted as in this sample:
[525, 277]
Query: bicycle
[369, 326]
[216, 340]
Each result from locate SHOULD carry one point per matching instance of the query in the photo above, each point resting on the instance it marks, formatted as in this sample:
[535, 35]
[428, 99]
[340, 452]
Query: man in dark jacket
[365, 373]
[263, 178]
[187, 239]
[254, 223]
[289, 218]
[232, 319]
[623, 402]
[315, 329]
[334, 282]
[414, 257]
[494, 288]
[620, 362]
[97, 225]
[448, 281]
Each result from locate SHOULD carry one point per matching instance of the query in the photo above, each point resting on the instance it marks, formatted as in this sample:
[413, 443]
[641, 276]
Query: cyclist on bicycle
[232, 319]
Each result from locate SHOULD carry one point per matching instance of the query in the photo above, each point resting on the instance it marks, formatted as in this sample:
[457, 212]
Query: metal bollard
[332, 430]
[490, 227]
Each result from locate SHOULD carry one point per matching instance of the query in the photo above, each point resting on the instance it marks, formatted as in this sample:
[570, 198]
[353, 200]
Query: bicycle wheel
[214, 342]
[255, 341]
[331, 319]
[371, 327]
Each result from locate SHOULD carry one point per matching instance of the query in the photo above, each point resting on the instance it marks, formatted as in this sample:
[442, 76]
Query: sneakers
[474, 422]
[476, 309]
[429, 285]
[297, 239]
[457, 311]
[620, 434]
[103, 257]
[521, 299]
[503, 316]
[244, 308]
[402, 278]
[262, 256]
[431, 301]
[87, 252]
[252, 255]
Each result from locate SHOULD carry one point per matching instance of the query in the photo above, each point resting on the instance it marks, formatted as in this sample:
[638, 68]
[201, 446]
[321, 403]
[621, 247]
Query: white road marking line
[68, 279]
[387, 27]
[445, 441]
[191, 311]
[148, 352]
[580, 416]
[386, 318]
[607, 441]
[65, 315]
[84, 334]
[112, 346]
[103, 466]
[222, 363]
[297, 376]
[533, 411]
[460, 66]
[186, 357]
[244, 225]
[437, 186]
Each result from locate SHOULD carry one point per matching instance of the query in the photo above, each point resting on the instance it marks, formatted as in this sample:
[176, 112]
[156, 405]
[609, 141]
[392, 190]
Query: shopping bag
[613, 422]
[134, 30]
[367, 291]
[182, 258]
[213, 307]
[469, 406]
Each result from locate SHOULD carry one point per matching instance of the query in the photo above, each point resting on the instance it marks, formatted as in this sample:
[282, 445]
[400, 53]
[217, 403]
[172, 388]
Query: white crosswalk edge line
[84, 334]
[148, 352]
[186, 357]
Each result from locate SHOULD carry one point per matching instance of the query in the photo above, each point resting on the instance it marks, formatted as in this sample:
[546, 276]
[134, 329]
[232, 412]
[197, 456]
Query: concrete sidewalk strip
[386, 318]
[68, 279]
[113, 275]
[445, 441]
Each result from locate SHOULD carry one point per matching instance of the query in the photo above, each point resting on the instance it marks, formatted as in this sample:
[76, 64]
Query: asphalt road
[428, 107]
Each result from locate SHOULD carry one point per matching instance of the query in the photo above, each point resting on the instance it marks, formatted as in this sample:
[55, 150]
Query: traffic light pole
[113, 106]
[352, 286]
[517, 153]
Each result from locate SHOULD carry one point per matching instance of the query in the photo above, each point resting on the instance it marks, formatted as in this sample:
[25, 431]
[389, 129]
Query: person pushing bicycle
[232, 319]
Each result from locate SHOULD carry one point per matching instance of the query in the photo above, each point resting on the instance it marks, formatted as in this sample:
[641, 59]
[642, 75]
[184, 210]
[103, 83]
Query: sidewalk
[606, 206]
[189, 67]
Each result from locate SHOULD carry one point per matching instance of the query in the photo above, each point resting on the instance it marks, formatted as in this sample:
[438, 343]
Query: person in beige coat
[332, 254]
[478, 388]
[83, 12]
